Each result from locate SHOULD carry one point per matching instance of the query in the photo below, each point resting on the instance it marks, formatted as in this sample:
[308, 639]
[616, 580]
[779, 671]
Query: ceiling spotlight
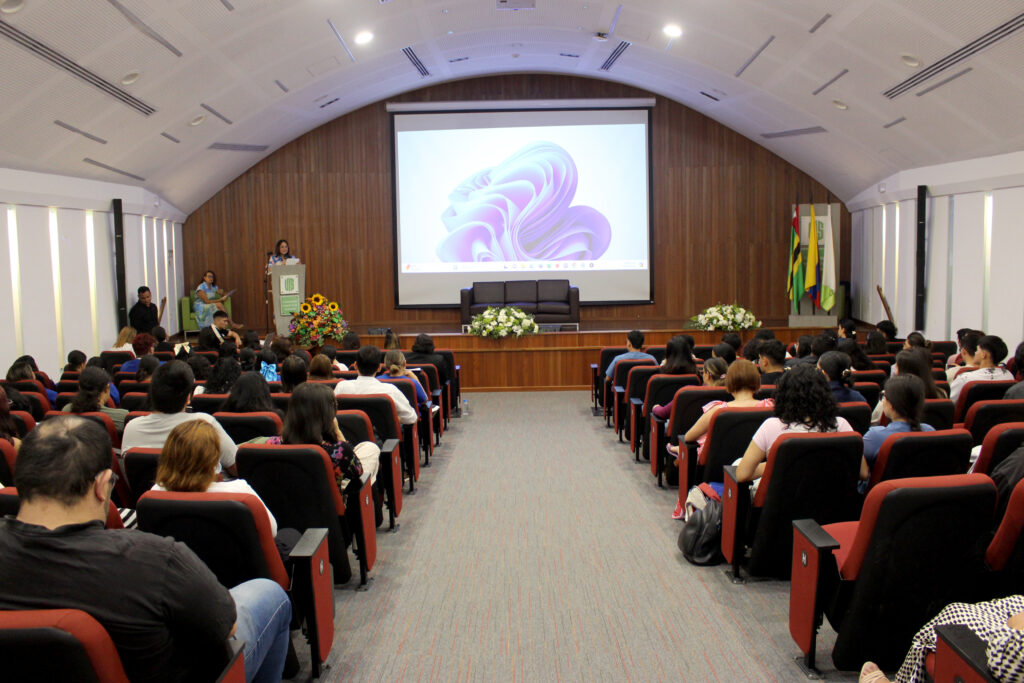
[363, 37]
[672, 30]
[450, 31]
[444, 11]
[839, 104]
[11, 6]
[600, 36]
[130, 78]
[197, 120]
[911, 61]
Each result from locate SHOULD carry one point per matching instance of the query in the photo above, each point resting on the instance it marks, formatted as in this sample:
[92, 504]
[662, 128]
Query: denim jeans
[264, 613]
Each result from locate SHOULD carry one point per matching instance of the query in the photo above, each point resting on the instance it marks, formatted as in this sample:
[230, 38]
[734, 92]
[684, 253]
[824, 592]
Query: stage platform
[552, 361]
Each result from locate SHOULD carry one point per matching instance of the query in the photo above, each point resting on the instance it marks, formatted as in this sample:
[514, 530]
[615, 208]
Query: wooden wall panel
[720, 215]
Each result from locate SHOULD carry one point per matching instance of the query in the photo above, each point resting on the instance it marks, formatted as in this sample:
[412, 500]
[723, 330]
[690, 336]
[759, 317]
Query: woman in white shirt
[189, 462]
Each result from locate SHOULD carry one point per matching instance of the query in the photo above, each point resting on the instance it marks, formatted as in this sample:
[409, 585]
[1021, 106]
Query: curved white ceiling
[262, 72]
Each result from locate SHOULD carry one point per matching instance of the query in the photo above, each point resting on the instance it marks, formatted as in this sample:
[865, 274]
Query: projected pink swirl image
[520, 210]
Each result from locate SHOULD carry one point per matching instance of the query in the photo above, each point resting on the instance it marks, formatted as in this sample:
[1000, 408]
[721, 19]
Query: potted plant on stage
[507, 321]
[725, 317]
[317, 321]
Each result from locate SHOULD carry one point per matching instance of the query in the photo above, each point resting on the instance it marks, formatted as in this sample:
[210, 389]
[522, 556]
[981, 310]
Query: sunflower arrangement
[316, 321]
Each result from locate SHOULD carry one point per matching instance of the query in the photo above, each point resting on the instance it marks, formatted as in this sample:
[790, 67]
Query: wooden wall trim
[721, 206]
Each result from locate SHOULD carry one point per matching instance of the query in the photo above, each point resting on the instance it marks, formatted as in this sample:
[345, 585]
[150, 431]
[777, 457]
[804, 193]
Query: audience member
[142, 345]
[332, 353]
[97, 362]
[228, 349]
[304, 356]
[200, 371]
[725, 351]
[764, 334]
[394, 368]
[76, 361]
[803, 351]
[293, 373]
[750, 350]
[160, 334]
[93, 392]
[634, 351]
[858, 359]
[169, 394]
[144, 315]
[1017, 390]
[320, 368]
[21, 370]
[968, 347]
[282, 348]
[223, 376]
[732, 339]
[903, 404]
[991, 352]
[367, 363]
[955, 359]
[124, 339]
[311, 419]
[58, 555]
[916, 339]
[247, 359]
[147, 366]
[217, 332]
[678, 357]
[423, 353]
[803, 403]
[268, 365]
[189, 462]
[835, 365]
[888, 328]
[714, 372]
[8, 429]
[36, 372]
[350, 342]
[391, 340]
[250, 394]
[251, 340]
[876, 345]
[847, 329]
[771, 358]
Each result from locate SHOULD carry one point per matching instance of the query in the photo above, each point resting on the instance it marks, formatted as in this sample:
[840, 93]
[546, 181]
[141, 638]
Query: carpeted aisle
[536, 549]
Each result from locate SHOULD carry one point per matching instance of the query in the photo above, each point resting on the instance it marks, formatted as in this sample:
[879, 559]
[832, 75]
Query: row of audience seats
[877, 565]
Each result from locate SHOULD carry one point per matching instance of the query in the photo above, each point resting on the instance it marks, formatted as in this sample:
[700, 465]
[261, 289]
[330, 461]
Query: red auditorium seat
[922, 454]
[687, 407]
[634, 389]
[1001, 441]
[356, 427]
[660, 390]
[243, 427]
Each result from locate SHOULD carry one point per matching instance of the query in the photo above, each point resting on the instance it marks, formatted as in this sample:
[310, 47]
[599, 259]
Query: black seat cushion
[488, 293]
[553, 307]
[553, 290]
[521, 292]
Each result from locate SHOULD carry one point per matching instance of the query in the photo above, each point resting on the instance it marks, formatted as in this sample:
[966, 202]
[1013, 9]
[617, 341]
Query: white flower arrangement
[725, 317]
[502, 322]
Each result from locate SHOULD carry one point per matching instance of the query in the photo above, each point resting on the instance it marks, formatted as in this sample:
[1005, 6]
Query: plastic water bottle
[465, 407]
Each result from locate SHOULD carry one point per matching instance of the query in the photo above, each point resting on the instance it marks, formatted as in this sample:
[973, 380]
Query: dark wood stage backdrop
[720, 215]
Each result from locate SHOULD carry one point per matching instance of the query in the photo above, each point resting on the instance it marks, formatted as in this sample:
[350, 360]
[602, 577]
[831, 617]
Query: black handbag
[701, 536]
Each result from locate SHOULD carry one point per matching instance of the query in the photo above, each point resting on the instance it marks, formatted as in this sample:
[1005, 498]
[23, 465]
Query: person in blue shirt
[634, 351]
[835, 365]
[394, 368]
[903, 404]
[142, 345]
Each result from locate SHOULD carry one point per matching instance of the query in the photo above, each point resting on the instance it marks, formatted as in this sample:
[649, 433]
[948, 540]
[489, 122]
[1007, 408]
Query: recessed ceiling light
[363, 37]
[450, 31]
[839, 104]
[444, 11]
[197, 120]
[911, 61]
[11, 6]
[672, 30]
[129, 78]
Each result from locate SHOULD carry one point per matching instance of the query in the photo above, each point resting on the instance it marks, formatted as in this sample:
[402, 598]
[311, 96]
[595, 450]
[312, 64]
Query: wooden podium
[288, 291]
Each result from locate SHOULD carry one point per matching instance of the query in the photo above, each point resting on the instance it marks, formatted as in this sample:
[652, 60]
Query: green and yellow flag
[795, 276]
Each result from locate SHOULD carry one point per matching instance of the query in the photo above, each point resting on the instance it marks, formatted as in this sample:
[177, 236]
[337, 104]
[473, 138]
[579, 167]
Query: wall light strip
[12, 252]
[90, 260]
[881, 278]
[167, 265]
[55, 268]
[986, 293]
[145, 260]
[896, 258]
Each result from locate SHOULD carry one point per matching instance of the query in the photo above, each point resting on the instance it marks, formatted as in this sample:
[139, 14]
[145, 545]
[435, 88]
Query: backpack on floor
[701, 536]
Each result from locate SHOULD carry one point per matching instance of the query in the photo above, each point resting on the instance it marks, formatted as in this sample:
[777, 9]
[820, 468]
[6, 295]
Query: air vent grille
[614, 56]
[236, 147]
[411, 54]
[794, 132]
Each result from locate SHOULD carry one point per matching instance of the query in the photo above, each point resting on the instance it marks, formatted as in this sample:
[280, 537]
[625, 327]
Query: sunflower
[305, 308]
[333, 306]
[318, 299]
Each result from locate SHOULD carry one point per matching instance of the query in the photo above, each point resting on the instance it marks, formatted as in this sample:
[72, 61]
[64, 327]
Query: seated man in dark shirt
[210, 338]
[164, 609]
[144, 315]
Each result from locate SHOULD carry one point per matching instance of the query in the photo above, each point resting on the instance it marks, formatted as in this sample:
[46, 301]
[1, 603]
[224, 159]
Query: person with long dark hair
[835, 365]
[93, 392]
[311, 420]
[876, 344]
[76, 361]
[8, 429]
[293, 373]
[282, 254]
[903, 404]
[225, 373]
[147, 366]
[678, 357]
[858, 359]
[250, 394]
[803, 403]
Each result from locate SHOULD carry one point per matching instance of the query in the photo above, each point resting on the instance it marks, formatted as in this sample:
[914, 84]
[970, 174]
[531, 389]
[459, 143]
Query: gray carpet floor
[536, 549]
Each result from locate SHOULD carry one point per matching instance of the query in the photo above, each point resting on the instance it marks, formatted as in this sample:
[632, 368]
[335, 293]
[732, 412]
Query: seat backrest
[405, 385]
[946, 348]
[24, 421]
[24, 385]
[984, 415]
[857, 414]
[608, 353]
[687, 407]
[229, 532]
[123, 376]
[57, 645]
[661, 389]
[807, 476]
[870, 391]
[922, 454]
[979, 390]
[297, 485]
[207, 403]
[64, 398]
[8, 456]
[623, 367]
[130, 386]
[242, 427]
[355, 425]
[879, 377]
[938, 412]
[729, 434]
[918, 547]
[40, 405]
[379, 408]
[1001, 441]
[9, 504]
[1005, 554]
[433, 378]
[703, 351]
[637, 379]
[139, 466]
[134, 401]
[112, 358]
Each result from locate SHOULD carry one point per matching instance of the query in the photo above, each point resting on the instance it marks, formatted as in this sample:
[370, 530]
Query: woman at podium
[282, 255]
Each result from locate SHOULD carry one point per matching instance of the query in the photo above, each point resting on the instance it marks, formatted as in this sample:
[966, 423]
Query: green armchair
[188, 314]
